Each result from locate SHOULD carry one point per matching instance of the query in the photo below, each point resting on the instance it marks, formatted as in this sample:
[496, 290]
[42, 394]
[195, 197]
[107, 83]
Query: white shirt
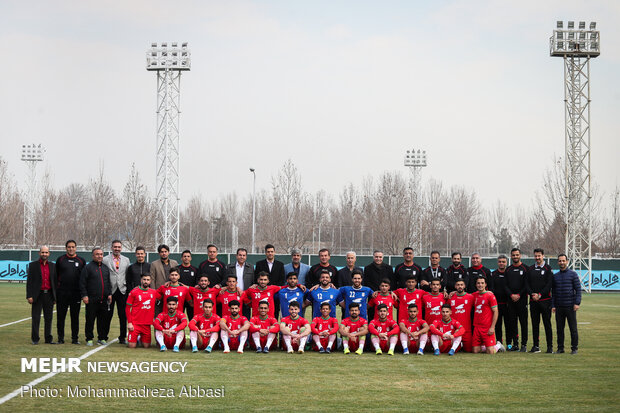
[270, 265]
[239, 269]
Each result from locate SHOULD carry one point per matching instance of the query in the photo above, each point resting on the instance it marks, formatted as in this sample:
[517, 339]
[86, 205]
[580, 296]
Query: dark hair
[186, 252]
[293, 304]
[163, 247]
[459, 281]
[434, 252]
[174, 269]
[407, 249]
[140, 248]
[563, 255]
[411, 277]
[446, 305]
[263, 302]
[172, 298]
[203, 276]
[234, 302]
[324, 271]
[515, 249]
[211, 246]
[385, 281]
[116, 241]
[456, 253]
[145, 275]
[381, 306]
[241, 249]
[354, 305]
[207, 300]
[325, 304]
[436, 279]
[357, 271]
[480, 277]
[269, 246]
[410, 306]
[502, 257]
[70, 241]
[262, 274]
[539, 250]
[231, 276]
[324, 250]
[291, 274]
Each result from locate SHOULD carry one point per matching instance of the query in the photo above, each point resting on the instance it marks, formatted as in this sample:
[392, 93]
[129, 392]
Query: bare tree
[610, 237]
[11, 208]
[138, 207]
[103, 215]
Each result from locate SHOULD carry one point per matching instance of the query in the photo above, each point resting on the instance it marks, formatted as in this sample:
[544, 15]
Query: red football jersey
[181, 292]
[224, 298]
[141, 306]
[383, 299]
[235, 323]
[461, 309]
[177, 322]
[354, 326]
[320, 324]
[439, 327]
[415, 325]
[432, 307]
[483, 313]
[269, 323]
[198, 296]
[256, 296]
[405, 298]
[296, 324]
[388, 326]
[200, 322]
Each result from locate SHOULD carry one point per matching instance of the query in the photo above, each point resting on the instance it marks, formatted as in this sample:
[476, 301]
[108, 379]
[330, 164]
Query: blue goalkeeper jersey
[287, 296]
[349, 295]
[320, 296]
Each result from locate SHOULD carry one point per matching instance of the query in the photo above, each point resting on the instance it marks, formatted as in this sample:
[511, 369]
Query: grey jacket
[117, 277]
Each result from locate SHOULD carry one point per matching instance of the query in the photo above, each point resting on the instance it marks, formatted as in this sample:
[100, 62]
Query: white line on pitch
[23, 319]
[49, 375]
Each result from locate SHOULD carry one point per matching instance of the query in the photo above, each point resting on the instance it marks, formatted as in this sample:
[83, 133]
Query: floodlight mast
[168, 61]
[415, 161]
[577, 46]
[31, 154]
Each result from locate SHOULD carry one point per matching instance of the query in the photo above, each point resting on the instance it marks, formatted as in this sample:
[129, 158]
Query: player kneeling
[413, 332]
[324, 330]
[234, 328]
[485, 317]
[383, 331]
[353, 330]
[204, 328]
[263, 328]
[294, 329]
[446, 334]
[140, 311]
[170, 327]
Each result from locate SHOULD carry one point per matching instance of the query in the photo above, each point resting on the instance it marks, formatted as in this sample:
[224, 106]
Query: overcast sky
[343, 88]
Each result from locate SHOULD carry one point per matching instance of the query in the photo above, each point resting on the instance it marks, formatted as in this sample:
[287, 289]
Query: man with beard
[455, 272]
[516, 290]
[406, 269]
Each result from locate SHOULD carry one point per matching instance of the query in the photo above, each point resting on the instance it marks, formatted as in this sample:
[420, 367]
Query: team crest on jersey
[77, 264]
[521, 272]
[217, 268]
[192, 273]
[542, 272]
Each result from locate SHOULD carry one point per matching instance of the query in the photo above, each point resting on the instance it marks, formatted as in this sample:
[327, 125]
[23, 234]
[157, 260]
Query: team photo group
[295, 307]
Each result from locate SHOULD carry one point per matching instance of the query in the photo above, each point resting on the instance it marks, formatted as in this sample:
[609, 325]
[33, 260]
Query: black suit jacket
[34, 280]
[276, 275]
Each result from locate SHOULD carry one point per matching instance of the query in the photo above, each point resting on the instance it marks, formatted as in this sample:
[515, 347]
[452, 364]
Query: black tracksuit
[498, 281]
[374, 274]
[95, 284]
[68, 270]
[539, 280]
[516, 284]
[403, 272]
[314, 274]
[454, 274]
[474, 273]
[134, 274]
[189, 277]
[429, 274]
[215, 271]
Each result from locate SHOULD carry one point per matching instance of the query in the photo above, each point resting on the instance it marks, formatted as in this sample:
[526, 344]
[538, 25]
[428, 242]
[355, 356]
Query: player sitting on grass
[413, 331]
[140, 312]
[294, 329]
[446, 334]
[485, 317]
[204, 328]
[353, 330]
[263, 328]
[234, 328]
[324, 330]
[383, 331]
[170, 327]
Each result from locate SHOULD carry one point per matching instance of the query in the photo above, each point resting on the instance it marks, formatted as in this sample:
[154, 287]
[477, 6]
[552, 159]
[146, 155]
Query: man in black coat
[96, 291]
[41, 294]
[377, 271]
[270, 265]
[68, 270]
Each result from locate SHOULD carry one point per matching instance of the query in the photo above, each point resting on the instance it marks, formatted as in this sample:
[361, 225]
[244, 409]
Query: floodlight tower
[415, 161]
[577, 46]
[31, 154]
[168, 61]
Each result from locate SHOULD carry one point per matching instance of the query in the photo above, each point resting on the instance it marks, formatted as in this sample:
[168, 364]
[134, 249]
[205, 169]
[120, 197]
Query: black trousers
[561, 315]
[517, 311]
[44, 302]
[68, 300]
[97, 311]
[542, 309]
[120, 301]
[502, 309]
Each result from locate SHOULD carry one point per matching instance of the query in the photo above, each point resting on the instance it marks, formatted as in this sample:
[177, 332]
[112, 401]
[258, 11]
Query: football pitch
[589, 381]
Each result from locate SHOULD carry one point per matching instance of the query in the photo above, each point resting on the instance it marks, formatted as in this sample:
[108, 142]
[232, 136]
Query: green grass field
[281, 382]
